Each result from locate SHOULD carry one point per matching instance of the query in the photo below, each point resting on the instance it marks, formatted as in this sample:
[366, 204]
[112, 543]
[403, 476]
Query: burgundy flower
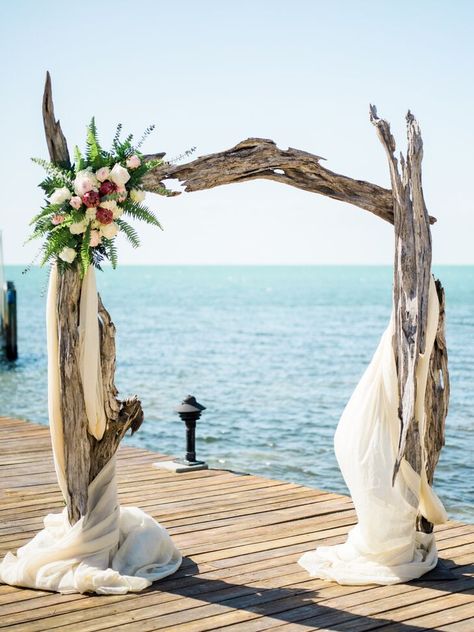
[91, 199]
[104, 215]
[107, 187]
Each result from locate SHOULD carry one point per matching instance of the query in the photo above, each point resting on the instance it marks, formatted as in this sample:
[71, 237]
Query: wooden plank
[241, 537]
[466, 625]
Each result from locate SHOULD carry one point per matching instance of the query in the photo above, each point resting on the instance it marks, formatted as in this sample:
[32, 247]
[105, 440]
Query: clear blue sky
[211, 73]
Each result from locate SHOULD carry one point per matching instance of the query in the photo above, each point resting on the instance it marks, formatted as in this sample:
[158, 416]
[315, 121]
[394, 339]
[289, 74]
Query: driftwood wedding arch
[403, 206]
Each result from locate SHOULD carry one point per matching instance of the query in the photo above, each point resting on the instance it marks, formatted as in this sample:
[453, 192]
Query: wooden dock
[241, 536]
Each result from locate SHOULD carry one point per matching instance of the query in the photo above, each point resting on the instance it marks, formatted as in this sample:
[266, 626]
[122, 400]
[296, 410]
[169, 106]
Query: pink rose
[95, 238]
[75, 202]
[133, 162]
[85, 181]
[57, 219]
[102, 174]
[122, 193]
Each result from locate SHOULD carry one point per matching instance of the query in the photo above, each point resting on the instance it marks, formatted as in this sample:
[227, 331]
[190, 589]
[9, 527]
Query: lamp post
[189, 411]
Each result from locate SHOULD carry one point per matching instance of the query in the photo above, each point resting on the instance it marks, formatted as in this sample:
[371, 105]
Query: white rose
[111, 205]
[60, 195]
[118, 212]
[109, 230]
[78, 227]
[137, 195]
[90, 213]
[67, 254]
[119, 175]
[85, 181]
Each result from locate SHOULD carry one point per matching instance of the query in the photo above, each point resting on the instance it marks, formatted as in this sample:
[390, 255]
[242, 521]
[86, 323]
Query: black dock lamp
[189, 411]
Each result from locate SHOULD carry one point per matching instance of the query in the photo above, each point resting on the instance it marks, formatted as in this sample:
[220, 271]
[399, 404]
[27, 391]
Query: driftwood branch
[437, 393]
[412, 269]
[259, 158]
[84, 455]
[57, 145]
[73, 411]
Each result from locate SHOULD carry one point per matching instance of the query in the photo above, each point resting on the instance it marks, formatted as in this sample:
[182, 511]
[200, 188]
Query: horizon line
[242, 265]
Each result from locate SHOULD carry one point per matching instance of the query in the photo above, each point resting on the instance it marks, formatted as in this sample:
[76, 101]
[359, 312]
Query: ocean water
[274, 353]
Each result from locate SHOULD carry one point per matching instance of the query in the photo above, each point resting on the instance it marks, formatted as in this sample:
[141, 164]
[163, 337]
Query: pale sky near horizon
[212, 73]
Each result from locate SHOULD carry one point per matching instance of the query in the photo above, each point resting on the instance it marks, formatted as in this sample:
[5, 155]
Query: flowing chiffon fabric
[384, 547]
[110, 550]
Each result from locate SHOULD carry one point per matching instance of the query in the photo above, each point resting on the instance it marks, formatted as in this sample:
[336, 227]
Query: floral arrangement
[87, 203]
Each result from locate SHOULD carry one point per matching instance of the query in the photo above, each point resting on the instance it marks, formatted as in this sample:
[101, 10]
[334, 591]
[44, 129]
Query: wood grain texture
[260, 158]
[412, 271]
[241, 547]
[57, 145]
[437, 393]
[73, 410]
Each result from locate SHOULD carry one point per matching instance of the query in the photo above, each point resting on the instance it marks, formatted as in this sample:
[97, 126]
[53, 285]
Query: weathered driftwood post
[403, 206]
[84, 455]
[412, 272]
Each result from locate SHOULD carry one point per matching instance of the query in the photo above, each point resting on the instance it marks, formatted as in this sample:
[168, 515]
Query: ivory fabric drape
[89, 360]
[112, 549]
[384, 547]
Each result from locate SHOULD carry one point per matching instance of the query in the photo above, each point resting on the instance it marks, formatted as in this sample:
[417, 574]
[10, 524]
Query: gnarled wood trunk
[84, 455]
[403, 206]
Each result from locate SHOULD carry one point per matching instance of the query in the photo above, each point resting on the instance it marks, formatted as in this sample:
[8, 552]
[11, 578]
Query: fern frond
[85, 254]
[61, 173]
[137, 211]
[129, 232]
[45, 212]
[94, 150]
[78, 159]
[111, 251]
[55, 243]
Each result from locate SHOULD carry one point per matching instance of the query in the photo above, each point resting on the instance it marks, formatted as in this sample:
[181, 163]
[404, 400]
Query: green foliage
[138, 211]
[145, 135]
[86, 258]
[115, 142]
[46, 212]
[57, 236]
[56, 241]
[63, 177]
[93, 150]
[79, 160]
[129, 232]
[110, 251]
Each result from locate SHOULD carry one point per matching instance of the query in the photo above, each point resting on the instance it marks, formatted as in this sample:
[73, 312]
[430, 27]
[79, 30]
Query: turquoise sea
[272, 352]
